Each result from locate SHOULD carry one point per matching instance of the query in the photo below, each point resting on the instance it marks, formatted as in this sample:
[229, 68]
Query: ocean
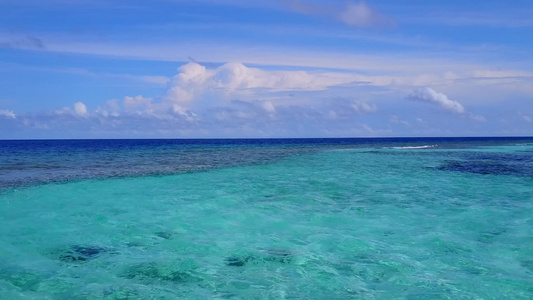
[391, 218]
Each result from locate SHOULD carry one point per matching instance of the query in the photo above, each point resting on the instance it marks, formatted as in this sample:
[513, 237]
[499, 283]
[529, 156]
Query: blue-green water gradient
[394, 220]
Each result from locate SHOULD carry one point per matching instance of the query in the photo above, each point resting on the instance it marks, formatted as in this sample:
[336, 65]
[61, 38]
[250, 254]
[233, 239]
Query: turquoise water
[311, 222]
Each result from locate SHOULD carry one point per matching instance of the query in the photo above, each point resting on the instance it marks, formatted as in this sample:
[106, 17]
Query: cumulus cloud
[255, 101]
[185, 114]
[7, 114]
[194, 79]
[132, 116]
[429, 95]
[355, 14]
[239, 81]
[144, 107]
[109, 109]
[191, 79]
[138, 104]
[80, 109]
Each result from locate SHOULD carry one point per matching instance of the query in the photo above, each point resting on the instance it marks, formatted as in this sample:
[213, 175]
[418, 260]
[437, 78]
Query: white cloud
[261, 101]
[145, 107]
[359, 14]
[268, 107]
[7, 114]
[237, 80]
[129, 117]
[80, 109]
[110, 108]
[138, 104]
[162, 109]
[193, 80]
[184, 113]
[355, 14]
[429, 95]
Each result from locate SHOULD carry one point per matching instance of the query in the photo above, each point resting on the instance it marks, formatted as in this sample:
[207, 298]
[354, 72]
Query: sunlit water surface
[267, 219]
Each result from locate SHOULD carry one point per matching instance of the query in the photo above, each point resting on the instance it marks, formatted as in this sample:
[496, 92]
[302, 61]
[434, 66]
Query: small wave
[346, 149]
[415, 147]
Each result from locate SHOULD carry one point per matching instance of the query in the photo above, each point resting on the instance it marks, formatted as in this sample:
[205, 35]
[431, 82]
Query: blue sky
[280, 68]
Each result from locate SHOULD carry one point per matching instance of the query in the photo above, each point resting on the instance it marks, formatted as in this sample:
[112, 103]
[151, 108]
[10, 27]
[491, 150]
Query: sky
[261, 69]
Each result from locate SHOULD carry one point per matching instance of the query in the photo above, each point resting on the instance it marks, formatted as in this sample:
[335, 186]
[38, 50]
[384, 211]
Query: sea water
[267, 219]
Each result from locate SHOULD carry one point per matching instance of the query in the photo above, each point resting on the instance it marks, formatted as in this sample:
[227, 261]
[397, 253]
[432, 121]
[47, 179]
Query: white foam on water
[415, 147]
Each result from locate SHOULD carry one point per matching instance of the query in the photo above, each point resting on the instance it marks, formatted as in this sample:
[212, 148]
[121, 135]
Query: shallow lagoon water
[316, 221]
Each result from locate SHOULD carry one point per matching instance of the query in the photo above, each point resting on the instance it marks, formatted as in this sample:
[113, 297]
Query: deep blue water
[29, 162]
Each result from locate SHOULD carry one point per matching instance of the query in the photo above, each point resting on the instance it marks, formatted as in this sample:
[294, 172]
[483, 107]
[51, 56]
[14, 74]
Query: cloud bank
[194, 80]
[234, 100]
